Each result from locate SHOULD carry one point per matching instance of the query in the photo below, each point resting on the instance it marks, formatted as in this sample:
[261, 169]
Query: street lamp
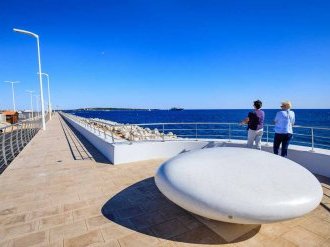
[49, 104]
[30, 92]
[40, 76]
[13, 92]
[37, 102]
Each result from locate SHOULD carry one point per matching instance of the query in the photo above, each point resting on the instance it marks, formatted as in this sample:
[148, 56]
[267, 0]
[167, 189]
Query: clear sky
[163, 53]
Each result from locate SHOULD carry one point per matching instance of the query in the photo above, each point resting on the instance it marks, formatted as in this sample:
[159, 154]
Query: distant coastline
[125, 109]
[174, 108]
[112, 109]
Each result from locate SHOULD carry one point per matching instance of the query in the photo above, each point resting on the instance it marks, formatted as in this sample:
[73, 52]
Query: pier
[60, 191]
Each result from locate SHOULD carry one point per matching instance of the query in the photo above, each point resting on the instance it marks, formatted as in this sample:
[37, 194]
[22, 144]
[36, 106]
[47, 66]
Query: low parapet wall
[317, 162]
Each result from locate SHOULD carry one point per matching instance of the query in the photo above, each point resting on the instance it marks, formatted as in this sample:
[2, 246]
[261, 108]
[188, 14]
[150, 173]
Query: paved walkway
[60, 191]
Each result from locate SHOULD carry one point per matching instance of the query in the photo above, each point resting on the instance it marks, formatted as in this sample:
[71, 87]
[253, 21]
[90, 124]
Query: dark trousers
[285, 140]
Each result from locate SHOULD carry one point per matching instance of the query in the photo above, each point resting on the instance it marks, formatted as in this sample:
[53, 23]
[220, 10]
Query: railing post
[33, 123]
[267, 140]
[4, 147]
[17, 142]
[229, 133]
[113, 139]
[30, 130]
[27, 126]
[27, 133]
[11, 142]
[23, 134]
[163, 132]
[196, 130]
[22, 143]
[312, 130]
[36, 124]
[131, 135]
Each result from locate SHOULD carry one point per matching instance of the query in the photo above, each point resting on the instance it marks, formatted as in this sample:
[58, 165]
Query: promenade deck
[60, 191]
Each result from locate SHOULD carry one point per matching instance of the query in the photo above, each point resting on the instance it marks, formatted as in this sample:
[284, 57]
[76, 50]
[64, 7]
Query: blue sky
[159, 54]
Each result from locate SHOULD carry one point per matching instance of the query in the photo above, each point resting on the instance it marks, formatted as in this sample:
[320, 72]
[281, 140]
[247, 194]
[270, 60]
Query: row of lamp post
[31, 101]
[40, 82]
[31, 96]
[37, 96]
[13, 92]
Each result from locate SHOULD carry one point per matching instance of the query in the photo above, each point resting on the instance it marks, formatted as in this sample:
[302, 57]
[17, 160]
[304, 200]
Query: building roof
[9, 113]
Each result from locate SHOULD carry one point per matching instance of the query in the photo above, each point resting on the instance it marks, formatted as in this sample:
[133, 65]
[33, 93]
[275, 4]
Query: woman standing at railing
[255, 122]
[284, 121]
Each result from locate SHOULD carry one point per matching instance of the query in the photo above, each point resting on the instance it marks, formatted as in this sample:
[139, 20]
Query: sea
[318, 119]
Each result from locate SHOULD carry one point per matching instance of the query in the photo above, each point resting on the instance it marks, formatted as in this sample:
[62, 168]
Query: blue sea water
[304, 117]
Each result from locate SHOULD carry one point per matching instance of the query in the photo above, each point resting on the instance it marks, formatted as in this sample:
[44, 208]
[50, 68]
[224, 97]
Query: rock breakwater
[130, 132]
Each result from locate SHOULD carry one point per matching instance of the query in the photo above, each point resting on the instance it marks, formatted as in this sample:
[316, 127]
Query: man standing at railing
[284, 121]
[255, 122]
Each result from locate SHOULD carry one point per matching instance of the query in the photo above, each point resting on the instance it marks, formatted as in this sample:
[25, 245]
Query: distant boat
[176, 109]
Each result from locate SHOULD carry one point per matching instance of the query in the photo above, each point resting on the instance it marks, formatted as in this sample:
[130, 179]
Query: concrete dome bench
[239, 185]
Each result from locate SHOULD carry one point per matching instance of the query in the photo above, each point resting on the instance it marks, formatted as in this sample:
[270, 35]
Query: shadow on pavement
[143, 208]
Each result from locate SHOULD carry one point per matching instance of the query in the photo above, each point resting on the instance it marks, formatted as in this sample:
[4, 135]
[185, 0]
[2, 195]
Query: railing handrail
[200, 123]
[176, 123]
[19, 122]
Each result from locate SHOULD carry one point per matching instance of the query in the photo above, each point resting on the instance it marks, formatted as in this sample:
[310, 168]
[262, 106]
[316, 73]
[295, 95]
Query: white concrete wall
[125, 153]
[317, 162]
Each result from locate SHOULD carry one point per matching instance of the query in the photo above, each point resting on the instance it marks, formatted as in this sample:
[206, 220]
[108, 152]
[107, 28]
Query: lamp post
[13, 92]
[37, 103]
[40, 76]
[49, 104]
[30, 92]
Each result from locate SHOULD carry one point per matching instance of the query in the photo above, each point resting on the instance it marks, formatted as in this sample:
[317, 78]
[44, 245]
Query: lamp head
[42, 73]
[12, 81]
[26, 32]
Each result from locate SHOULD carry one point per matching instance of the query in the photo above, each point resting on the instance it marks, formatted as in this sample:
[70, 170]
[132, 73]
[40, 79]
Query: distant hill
[113, 109]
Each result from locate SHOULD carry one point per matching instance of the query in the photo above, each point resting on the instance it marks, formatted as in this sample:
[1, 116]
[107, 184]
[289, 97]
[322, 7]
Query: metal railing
[14, 137]
[314, 137]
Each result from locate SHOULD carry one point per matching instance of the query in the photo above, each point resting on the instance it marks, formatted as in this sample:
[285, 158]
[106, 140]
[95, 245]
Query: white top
[239, 185]
[284, 121]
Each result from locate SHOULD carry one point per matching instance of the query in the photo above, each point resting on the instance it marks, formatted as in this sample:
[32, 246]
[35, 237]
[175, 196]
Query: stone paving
[49, 197]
